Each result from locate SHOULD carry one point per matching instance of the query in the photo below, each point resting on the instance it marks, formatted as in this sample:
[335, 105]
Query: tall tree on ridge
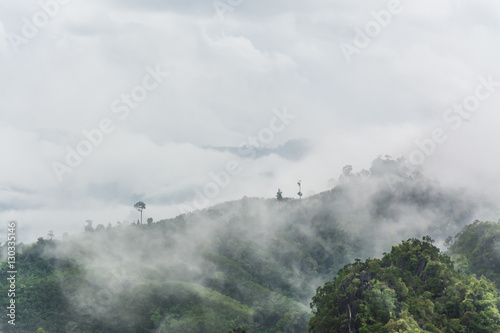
[140, 206]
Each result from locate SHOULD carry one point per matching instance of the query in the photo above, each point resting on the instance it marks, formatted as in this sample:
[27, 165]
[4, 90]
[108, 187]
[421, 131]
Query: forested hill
[414, 288]
[252, 263]
[476, 250]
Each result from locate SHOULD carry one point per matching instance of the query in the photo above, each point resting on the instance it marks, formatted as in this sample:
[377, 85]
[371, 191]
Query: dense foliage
[59, 295]
[476, 250]
[39, 298]
[414, 288]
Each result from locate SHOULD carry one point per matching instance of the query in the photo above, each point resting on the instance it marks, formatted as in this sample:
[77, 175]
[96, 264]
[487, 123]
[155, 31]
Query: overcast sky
[154, 84]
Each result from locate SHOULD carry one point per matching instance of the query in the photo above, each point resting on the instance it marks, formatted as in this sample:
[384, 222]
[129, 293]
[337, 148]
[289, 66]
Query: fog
[297, 244]
[215, 79]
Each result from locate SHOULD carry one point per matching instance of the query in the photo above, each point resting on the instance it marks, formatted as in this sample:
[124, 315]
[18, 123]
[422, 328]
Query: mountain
[293, 150]
[251, 263]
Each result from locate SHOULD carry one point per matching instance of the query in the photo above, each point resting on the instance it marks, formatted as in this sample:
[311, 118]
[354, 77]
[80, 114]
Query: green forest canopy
[414, 288]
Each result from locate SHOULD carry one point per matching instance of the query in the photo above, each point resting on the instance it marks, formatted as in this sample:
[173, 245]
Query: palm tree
[140, 206]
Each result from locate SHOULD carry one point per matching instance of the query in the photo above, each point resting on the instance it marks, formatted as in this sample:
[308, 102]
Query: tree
[346, 174]
[300, 189]
[279, 195]
[150, 220]
[88, 227]
[448, 241]
[50, 234]
[140, 206]
[476, 250]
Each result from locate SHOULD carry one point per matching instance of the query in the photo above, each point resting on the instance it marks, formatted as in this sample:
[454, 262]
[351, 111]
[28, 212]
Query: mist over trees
[476, 250]
[253, 263]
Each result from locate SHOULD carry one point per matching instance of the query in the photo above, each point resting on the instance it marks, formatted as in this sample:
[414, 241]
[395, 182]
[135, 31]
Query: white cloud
[228, 75]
